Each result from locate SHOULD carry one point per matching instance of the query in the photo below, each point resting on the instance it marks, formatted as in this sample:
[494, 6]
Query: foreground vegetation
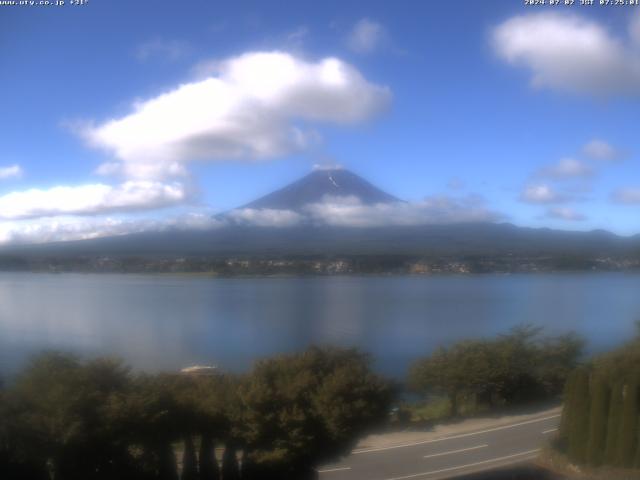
[67, 419]
[601, 419]
[64, 419]
[519, 367]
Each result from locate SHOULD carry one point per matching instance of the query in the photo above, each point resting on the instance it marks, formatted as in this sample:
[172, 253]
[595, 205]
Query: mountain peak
[322, 182]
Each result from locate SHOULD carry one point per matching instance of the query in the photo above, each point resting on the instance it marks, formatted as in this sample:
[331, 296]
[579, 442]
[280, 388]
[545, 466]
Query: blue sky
[469, 110]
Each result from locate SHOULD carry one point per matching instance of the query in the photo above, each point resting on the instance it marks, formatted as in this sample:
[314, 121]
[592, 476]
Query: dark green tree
[565, 419]
[636, 460]
[152, 419]
[556, 358]
[304, 409]
[189, 460]
[466, 369]
[62, 404]
[230, 467]
[600, 395]
[216, 407]
[208, 463]
[579, 420]
[613, 423]
[518, 367]
[629, 424]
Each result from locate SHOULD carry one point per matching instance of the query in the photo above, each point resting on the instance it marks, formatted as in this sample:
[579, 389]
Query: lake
[168, 322]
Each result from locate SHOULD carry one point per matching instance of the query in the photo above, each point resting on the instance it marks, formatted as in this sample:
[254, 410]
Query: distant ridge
[317, 185]
[244, 239]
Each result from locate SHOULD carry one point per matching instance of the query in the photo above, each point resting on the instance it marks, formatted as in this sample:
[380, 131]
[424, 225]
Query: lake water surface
[167, 322]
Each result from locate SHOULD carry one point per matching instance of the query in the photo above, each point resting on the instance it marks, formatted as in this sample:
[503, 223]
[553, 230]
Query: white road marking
[463, 435]
[460, 467]
[337, 469]
[455, 451]
[550, 430]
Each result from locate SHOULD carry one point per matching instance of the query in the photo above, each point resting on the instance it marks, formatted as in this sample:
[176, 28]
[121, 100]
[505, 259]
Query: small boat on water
[200, 370]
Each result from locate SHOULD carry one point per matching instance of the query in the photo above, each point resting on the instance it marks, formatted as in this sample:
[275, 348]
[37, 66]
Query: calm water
[164, 322]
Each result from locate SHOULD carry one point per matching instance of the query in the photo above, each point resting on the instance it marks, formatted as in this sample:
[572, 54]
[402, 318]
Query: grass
[433, 410]
[554, 459]
[436, 409]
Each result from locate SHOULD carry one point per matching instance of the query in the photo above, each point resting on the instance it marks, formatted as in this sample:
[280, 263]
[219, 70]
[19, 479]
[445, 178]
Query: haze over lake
[168, 322]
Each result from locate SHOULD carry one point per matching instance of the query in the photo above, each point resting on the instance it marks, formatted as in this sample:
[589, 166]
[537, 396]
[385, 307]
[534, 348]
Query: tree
[151, 419]
[579, 423]
[557, 358]
[230, 467]
[303, 409]
[464, 369]
[208, 464]
[600, 395]
[515, 368]
[629, 424]
[61, 415]
[613, 423]
[565, 419]
[189, 460]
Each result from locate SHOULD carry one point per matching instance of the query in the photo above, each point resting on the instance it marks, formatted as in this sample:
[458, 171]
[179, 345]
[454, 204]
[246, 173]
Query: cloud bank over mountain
[90, 199]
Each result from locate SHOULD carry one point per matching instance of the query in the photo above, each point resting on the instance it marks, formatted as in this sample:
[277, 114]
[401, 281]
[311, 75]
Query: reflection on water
[164, 322]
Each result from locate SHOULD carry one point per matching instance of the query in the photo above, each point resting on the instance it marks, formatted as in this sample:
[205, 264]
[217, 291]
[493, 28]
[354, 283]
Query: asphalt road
[447, 457]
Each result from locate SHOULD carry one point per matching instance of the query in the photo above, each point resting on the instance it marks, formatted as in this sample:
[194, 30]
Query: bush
[515, 368]
[579, 420]
[598, 420]
[601, 418]
[95, 421]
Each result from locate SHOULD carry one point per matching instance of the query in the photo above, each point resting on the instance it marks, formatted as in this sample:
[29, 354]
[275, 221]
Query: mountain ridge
[236, 239]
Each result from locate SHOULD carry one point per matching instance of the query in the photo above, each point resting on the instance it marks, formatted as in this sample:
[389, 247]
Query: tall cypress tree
[613, 423]
[189, 460]
[569, 398]
[579, 425]
[628, 428]
[209, 469]
[598, 419]
[230, 468]
[249, 470]
[636, 460]
[167, 468]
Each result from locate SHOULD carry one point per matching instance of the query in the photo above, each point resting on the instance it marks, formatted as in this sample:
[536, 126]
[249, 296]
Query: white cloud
[567, 168]
[90, 199]
[327, 167]
[254, 106]
[541, 194]
[601, 150]
[366, 36]
[164, 49]
[333, 211]
[67, 228]
[569, 53]
[351, 212]
[61, 229]
[565, 213]
[265, 217]
[627, 196]
[12, 171]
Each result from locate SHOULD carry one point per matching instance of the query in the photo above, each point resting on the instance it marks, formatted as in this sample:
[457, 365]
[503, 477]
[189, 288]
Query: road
[448, 456]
